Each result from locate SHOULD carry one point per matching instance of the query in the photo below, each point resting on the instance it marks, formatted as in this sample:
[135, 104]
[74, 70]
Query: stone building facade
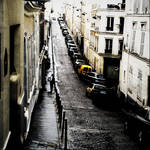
[20, 66]
[135, 63]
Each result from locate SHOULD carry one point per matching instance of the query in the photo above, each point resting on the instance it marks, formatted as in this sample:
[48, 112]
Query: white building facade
[135, 63]
[106, 37]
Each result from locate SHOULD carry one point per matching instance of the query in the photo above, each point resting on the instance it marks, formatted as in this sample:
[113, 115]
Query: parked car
[76, 56]
[71, 50]
[64, 28]
[60, 19]
[83, 70]
[93, 77]
[70, 41]
[137, 124]
[62, 24]
[69, 45]
[65, 32]
[100, 93]
[68, 37]
[78, 63]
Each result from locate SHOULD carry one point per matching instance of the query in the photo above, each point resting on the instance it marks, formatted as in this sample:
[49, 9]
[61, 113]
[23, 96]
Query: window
[85, 69]
[121, 25]
[120, 46]
[108, 48]
[96, 43]
[143, 26]
[110, 23]
[142, 43]
[134, 27]
[124, 76]
[133, 41]
[145, 6]
[139, 85]
[95, 63]
[136, 6]
[130, 70]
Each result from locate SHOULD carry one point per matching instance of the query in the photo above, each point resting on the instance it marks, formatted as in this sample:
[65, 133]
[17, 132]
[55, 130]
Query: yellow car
[84, 69]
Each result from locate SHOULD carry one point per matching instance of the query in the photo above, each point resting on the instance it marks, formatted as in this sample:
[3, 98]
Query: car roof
[76, 53]
[86, 66]
[71, 43]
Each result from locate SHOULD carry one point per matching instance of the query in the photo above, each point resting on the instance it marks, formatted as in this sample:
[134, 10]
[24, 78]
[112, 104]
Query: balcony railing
[118, 7]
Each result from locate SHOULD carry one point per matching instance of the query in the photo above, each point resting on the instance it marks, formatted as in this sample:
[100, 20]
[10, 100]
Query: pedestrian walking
[52, 81]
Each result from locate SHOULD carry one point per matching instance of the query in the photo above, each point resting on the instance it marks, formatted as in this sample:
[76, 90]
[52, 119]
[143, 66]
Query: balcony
[120, 6]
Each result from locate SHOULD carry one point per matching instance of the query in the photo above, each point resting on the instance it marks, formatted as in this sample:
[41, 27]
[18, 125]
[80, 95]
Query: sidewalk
[43, 133]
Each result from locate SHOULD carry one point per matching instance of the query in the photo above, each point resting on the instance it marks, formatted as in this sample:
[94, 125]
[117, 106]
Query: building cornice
[109, 55]
[110, 10]
[137, 15]
[106, 33]
[105, 54]
[137, 56]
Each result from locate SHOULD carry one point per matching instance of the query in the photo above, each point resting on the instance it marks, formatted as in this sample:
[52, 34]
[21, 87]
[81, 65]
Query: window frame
[108, 49]
[110, 24]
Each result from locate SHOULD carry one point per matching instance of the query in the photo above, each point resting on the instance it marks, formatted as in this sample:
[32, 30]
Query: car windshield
[70, 44]
[85, 69]
[70, 41]
[100, 77]
[99, 87]
[80, 60]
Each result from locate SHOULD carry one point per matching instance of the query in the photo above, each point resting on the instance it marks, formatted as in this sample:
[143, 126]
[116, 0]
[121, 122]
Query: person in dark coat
[52, 81]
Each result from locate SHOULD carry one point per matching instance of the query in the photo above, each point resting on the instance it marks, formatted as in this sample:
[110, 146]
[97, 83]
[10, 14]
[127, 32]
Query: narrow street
[89, 127]
[74, 75]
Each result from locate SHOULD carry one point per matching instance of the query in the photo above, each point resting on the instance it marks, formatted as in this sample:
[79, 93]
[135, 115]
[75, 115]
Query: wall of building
[134, 66]
[134, 78]
[11, 15]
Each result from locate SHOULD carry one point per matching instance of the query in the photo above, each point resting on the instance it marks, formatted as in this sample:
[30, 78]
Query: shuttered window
[108, 47]
[110, 24]
[133, 41]
[142, 43]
